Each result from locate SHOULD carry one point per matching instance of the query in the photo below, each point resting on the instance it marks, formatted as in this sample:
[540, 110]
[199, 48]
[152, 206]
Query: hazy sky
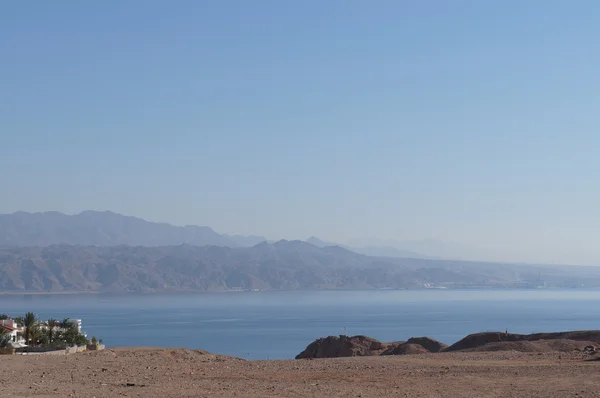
[467, 121]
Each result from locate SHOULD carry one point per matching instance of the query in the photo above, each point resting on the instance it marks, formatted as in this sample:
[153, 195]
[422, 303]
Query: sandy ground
[151, 372]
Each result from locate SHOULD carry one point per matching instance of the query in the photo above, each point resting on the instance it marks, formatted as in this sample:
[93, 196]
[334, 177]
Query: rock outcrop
[428, 343]
[406, 349]
[476, 340]
[558, 345]
[416, 345]
[343, 346]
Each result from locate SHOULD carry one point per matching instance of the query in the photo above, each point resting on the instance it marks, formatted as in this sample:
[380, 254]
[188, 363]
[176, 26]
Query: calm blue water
[277, 325]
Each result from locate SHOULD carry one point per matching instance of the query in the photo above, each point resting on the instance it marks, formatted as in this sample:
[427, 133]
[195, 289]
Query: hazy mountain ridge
[106, 228]
[372, 250]
[103, 228]
[246, 240]
[283, 265]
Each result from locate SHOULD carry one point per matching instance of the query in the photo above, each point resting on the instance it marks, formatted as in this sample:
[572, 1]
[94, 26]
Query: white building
[14, 331]
[78, 322]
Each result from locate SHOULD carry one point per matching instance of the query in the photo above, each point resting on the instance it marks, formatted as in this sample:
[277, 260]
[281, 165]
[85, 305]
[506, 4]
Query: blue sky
[473, 122]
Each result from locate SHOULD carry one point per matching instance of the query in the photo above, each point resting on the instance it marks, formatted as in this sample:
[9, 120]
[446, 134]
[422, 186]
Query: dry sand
[153, 372]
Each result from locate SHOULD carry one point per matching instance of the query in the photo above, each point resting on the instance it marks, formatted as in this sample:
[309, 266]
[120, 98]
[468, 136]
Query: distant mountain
[313, 240]
[282, 265]
[424, 248]
[245, 241]
[377, 251]
[106, 228]
[386, 251]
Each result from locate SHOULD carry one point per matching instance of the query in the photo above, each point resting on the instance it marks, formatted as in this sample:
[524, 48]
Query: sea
[280, 324]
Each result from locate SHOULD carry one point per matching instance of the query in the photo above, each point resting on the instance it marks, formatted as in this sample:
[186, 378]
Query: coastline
[96, 292]
[168, 292]
[38, 293]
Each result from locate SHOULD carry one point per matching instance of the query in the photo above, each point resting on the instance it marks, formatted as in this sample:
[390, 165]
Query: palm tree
[66, 323]
[4, 338]
[30, 323]
[52, 324]
[3, 317]
[36, 335]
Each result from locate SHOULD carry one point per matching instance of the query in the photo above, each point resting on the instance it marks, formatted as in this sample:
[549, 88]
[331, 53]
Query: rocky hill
[282, 265]
[360, 346]
[490, 339]
[344, 346]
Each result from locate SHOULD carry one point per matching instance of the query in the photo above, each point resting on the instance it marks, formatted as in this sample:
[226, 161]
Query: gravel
[154, 372]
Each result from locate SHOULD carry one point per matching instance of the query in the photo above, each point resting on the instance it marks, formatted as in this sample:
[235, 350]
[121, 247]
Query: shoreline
[169, 292]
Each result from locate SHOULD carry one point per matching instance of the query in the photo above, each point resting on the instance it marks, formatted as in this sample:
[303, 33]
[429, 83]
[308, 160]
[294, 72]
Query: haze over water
[279, 325]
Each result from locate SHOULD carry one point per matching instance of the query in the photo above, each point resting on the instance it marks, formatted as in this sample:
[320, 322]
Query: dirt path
[149, 372]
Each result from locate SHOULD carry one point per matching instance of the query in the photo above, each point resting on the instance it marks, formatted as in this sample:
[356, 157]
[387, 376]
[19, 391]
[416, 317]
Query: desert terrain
[155, 372]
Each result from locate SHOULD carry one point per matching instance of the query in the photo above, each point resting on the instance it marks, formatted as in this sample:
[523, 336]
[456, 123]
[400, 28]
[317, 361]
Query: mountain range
[107, 252]
[379, 251]
[282, 265]
[105, 228]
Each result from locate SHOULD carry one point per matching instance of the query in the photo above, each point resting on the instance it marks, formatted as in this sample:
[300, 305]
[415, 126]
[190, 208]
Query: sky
[471, 122]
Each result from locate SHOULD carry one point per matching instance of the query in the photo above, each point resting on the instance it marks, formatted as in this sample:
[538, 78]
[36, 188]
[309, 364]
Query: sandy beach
[155, 372]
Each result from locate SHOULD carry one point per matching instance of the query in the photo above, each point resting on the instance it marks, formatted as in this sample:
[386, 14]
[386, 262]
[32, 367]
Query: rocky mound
[343, 346]
[406, 349]
[476, 340]
[416, 345]
[480, 339]
[428, 343]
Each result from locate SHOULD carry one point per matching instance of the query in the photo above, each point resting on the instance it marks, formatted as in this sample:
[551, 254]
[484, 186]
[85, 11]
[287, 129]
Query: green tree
[41, 338]
[52, 324]
[31, 328]
[80, 340]
[37, 335]
[4, 316]
[69, 335]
